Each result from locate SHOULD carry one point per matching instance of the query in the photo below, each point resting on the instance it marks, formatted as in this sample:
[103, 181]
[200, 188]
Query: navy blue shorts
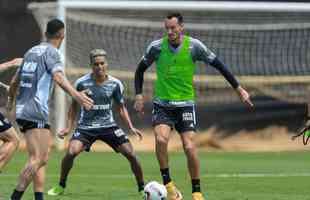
[25, 125]
[113, 136]
[181, 118]
[4, 123]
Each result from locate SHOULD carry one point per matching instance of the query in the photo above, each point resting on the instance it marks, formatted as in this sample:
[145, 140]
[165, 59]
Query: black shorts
[4, 123]
[181, 118]
[25, 125]
[113, 136]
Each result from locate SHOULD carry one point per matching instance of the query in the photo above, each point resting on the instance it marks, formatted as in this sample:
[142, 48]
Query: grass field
[225, 176]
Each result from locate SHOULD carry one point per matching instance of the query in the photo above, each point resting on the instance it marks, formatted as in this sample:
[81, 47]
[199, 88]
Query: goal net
[266, 45]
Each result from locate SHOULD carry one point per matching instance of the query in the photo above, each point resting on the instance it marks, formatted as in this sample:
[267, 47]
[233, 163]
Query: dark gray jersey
[36, 82]
[101, 114]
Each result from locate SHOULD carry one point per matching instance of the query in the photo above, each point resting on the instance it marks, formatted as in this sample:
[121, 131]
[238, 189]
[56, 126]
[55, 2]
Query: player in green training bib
[175, 56]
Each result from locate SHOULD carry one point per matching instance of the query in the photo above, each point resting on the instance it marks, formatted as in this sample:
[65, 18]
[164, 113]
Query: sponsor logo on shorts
[187, 116]
[119, 132]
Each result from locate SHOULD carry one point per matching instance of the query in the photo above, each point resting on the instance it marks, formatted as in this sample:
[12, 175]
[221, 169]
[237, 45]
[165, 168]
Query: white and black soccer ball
[155, 191]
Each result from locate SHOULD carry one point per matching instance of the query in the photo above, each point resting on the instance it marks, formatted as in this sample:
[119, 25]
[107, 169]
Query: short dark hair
[176, 15]
[53, 27]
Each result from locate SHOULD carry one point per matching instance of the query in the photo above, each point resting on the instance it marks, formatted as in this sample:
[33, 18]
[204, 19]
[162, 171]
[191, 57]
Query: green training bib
[175, 72]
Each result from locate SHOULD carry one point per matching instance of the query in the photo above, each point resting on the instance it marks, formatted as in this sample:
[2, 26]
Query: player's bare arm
[80, 97]
[12, 63]
[13, 91]
[126, 118]
[71, 117]
[7, 65]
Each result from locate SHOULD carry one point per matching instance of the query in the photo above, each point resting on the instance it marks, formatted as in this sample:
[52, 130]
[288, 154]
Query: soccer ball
[155, 191]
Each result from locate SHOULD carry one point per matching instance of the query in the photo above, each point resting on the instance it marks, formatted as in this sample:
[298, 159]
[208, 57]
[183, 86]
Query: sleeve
[78, 85]
[150, 55]
[118, 93]
[54, 61]
[221, 67]
[139, 78]
[202, 52]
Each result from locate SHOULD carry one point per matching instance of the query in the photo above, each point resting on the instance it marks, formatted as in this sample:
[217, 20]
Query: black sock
[196, 185]
[140, 186]
[165, 175]
[17, 195]
[62, 183]
[38, 195]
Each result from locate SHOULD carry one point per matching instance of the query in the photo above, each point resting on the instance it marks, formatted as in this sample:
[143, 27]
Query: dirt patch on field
[269, 139]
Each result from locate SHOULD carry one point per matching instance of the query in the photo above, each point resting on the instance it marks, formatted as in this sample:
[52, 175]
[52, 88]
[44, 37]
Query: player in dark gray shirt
[101, 115]
[98, 123]
[42, 65]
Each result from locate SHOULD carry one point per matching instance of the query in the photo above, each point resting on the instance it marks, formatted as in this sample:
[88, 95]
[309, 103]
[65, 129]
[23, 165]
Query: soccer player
[7, 133]
[175, 55]
[98, 123]
[42, 65]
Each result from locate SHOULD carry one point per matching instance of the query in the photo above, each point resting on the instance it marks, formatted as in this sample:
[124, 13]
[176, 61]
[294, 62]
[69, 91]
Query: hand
[63, 133]
[137, 132]
[244, 96]
[84, 100]
[139, 103]
[17, 61]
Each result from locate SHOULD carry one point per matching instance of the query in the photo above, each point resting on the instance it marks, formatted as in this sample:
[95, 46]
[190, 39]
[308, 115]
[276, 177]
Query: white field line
[224, 175]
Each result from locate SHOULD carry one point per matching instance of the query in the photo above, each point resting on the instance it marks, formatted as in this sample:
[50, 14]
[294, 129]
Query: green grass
[225, 176]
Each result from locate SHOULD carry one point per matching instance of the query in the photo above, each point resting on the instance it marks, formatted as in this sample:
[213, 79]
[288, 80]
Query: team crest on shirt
[30, 67]
[76, 134]
[88, 84]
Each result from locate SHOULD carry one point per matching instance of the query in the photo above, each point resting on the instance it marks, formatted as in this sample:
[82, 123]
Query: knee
[189, 147]
[15, 142]
[39, 161]
[161, 140]
[72, 153]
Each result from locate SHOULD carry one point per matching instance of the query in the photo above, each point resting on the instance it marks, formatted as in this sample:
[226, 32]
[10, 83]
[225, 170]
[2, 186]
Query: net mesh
[253, 45]
[269, 51]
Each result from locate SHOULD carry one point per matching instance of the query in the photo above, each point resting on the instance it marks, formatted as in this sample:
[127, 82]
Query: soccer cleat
[55, 191]
[197, 196]
[173, 192]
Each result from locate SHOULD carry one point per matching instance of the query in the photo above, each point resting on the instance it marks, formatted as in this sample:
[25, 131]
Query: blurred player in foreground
[7, 133]
[98, 123]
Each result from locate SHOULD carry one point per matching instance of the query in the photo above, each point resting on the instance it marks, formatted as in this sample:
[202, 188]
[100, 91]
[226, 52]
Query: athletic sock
[165, 175]
[196, 185]
[17, 195]
[38, 195]
[62, 183]
[140, 186]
